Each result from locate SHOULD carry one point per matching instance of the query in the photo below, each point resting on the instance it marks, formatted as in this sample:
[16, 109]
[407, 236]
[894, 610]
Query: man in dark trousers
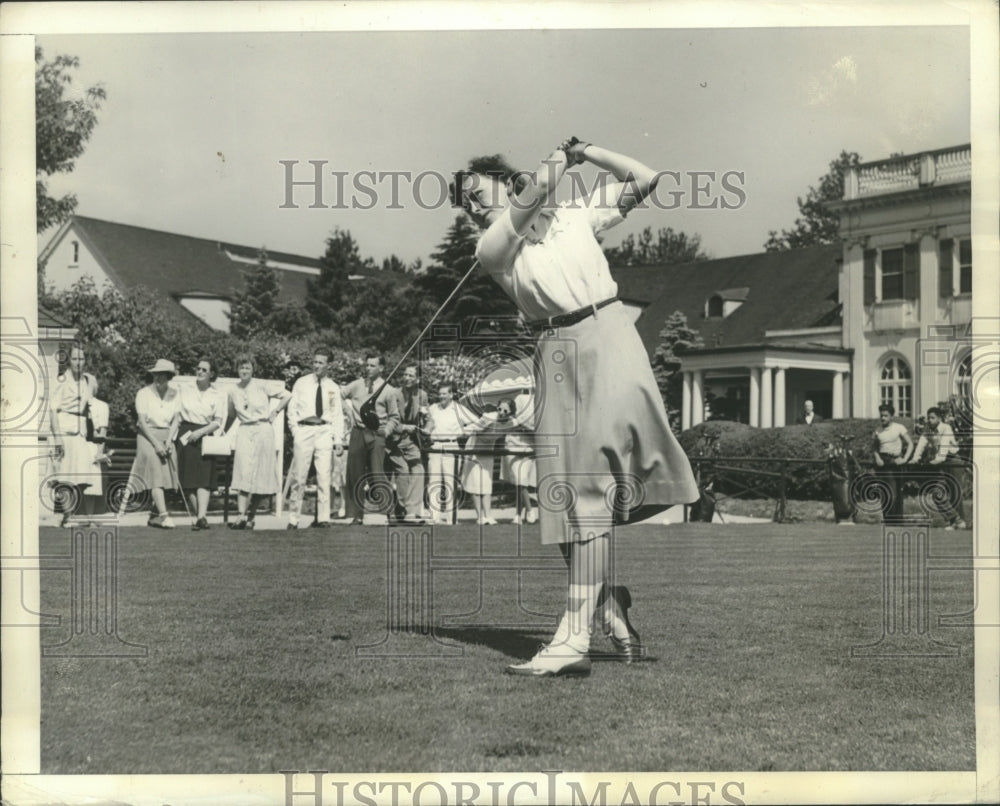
[405, 456]
[366, 450]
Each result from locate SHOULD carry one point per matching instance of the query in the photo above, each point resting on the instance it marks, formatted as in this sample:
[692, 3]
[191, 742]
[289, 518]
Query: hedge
[803, 481]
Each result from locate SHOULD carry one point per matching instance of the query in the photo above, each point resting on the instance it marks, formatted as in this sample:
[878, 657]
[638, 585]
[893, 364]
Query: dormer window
[721, 304]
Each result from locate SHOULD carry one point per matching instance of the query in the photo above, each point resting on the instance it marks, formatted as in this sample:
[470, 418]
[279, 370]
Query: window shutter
[911, 271]
[945, 268]
[869, 285]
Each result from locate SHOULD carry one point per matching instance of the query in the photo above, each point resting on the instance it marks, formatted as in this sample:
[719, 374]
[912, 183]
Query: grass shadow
[516, 644]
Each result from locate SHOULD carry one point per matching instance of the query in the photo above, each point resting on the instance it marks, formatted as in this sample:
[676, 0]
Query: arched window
[895, 386]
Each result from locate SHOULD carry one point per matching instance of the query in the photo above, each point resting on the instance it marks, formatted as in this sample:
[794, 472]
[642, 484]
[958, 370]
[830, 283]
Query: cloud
[822, 89]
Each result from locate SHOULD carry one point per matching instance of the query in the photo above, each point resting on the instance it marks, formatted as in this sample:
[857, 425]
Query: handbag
[216, 446]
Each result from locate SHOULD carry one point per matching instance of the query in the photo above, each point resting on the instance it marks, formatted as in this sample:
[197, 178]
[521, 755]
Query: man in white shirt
[938, 449]
[316, 419]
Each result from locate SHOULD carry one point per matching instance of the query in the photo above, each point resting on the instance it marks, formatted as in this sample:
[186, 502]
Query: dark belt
[571, 318]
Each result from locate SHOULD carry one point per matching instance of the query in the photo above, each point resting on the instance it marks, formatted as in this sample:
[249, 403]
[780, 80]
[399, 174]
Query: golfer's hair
[244, 358]
[936, 412]
[375, 357]
[887, 407]
[510, 402]
[323, 350]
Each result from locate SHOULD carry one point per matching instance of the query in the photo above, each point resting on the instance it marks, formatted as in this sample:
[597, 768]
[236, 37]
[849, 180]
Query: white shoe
[532, 516]
[341, 513]
[554, 661]
[488, 522]
[167, 523]
[960, 524]
[517, 520]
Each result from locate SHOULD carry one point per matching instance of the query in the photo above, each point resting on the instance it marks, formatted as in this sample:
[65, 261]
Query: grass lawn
[252, 663]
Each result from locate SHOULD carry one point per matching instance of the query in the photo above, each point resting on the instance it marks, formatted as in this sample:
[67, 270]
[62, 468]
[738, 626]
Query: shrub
[804, 480]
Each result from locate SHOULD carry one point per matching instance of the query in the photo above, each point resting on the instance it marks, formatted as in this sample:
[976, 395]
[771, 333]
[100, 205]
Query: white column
[838, 395]
[755, 396]
[779, 397]
[766, 407]
[697, 398]
[686, 402]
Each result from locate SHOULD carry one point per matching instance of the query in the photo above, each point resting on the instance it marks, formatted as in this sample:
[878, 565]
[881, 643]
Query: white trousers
[312, 444]
[441, 469]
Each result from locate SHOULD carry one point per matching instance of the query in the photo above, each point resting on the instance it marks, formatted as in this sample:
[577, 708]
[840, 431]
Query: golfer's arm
[639, 178]
[538, 193]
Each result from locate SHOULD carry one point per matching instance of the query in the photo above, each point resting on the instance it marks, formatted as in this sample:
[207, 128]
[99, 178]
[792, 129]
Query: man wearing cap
[316, 419]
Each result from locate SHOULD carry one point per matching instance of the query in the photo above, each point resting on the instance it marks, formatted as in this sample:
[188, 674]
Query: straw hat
[162, 365]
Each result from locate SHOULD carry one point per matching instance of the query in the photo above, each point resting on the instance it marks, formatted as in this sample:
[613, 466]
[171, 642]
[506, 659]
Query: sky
[194, 128]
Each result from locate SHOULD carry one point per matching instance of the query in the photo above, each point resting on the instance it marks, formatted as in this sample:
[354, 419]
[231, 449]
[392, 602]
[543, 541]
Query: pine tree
[479, 296]
[677, 335]
[253, 308]
[328, 293]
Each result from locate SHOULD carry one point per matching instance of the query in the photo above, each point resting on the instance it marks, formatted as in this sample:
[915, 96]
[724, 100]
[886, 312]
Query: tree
[816, 224]
[479, 295]
[676, 337]
[327, 293]
[668, 247]
[62, 128]
[254, 306]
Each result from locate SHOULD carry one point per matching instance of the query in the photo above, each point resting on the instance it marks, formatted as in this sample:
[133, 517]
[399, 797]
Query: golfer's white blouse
[564, 271]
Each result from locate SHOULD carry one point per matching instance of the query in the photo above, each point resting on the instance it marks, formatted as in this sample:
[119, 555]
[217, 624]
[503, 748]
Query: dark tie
[319, 397]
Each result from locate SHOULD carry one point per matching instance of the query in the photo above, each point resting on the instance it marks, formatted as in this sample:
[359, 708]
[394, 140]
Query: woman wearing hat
[254, 457]
[158, 408]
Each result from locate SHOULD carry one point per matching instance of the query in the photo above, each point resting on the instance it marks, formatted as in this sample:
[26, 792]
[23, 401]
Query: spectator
[98, 417]
[477, 468]
[203, 411]
[338, 473]
[366, 452]
[938, 449]
[158, 408]
[893, 448]
[446, 421]
[255, 471]
[74, 469]
[316, 419]
[808, 415]
[519, 470]
[405, 455]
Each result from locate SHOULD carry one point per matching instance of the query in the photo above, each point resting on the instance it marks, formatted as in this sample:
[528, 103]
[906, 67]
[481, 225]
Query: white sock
[575, 626]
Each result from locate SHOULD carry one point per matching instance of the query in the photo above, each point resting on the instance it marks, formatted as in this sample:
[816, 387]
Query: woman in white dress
[255, 470]
[605, 452]
[74, 473]
[518, 464]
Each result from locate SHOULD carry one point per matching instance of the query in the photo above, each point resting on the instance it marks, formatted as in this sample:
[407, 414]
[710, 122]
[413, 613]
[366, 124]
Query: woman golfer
[606, 455]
